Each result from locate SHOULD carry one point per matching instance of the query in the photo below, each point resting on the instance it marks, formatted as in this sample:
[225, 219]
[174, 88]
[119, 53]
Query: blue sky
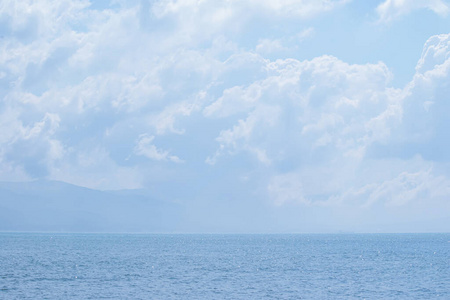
[307, 112]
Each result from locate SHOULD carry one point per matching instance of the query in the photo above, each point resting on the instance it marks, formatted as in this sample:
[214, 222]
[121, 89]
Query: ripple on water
[224, 266]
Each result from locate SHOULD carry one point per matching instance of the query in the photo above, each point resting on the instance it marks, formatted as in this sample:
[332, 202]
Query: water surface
[94, 266]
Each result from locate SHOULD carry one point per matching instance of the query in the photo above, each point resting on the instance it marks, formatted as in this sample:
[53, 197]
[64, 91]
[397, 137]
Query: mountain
[61, 207]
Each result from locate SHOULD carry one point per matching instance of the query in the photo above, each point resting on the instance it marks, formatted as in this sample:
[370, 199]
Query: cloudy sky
[288, 115]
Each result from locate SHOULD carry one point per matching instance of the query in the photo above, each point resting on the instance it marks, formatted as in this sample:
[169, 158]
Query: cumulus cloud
[435, 56]
[323, 102]
[332, 117]
[426, 97]
[80, 85]
[392, 9]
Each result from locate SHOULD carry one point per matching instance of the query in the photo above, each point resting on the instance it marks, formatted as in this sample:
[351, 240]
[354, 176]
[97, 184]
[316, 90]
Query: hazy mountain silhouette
[57, 206]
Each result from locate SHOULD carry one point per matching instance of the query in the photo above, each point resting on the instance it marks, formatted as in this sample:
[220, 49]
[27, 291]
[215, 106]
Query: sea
[212, 266]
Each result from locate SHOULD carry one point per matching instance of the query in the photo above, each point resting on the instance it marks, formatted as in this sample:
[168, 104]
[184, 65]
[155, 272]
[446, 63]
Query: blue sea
[134, 266]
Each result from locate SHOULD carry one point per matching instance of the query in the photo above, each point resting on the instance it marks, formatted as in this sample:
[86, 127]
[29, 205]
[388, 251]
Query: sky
[257, 115]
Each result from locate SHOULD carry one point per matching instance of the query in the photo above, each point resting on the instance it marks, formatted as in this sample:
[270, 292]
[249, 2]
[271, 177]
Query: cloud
[299, 8]
[145, 147]
[408, 187]
[435, 56]
[290, 44]
[397, 156]
[112, 97]
[226, 10]
[269, 46]
[426, 100]
[310, 103]
[305, 33]
[393, 9]
[287, 188]
[93, 167]
[241, 136]
[164, 121]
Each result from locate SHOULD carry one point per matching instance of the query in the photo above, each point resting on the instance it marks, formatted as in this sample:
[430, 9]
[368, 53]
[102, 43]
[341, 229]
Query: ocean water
[132, 266]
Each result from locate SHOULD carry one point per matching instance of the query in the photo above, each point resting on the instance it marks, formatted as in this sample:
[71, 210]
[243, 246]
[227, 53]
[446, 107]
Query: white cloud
[425, 99]
[49, 124]
[203, 80]
[313, 103]
[234, 100]
[243, 135]
[435, 56]
[392, 9]
[165, 120]
[145, 147]
[409, 122]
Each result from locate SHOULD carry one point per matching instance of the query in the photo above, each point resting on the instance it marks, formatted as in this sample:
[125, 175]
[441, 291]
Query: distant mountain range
[52, 206]
[61, 207]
